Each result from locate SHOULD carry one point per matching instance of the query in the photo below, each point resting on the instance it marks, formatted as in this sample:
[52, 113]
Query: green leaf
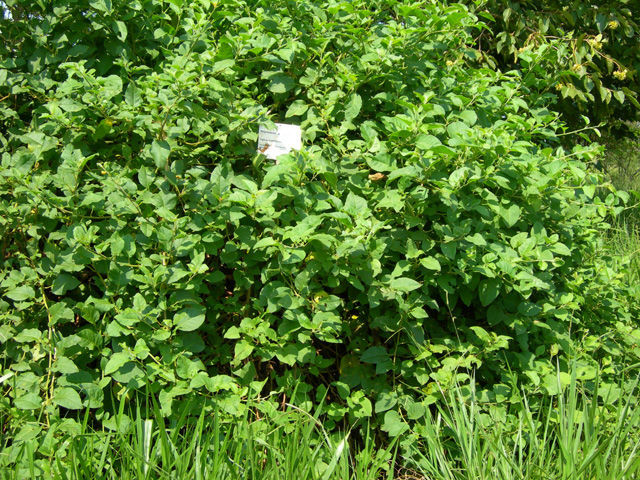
[427, 142]
[190, 318]
[510, 215]
[431, 263]
[379, 357]
[288, 354]
[160, 151]
[457, 129]
[28, 401]
[242, 350]
[132, 95]
[352, 109]
[22, 293]
[232, 333]
[393, 424]
[121, 30]
[68, 398]
[28, 335]
[356, 206]
[414, 410]
[60, 313]
[488, 290]
[469, 116]
[102, 5]
[482, 334]
[115, 362]
[65, 365]
[297, 108]
[63, 283]
[112, 86]
[223, 65]
[359, 405]
[404, 284]
[393, 199]
[385, 402]
[280, 83]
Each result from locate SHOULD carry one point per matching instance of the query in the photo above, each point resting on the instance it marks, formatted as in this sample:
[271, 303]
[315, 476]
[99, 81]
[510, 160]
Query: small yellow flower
[450, 63]
[596, 42]
[620, 74]
[354, 317]
[103, 172]
[613, 24]
[559, 86]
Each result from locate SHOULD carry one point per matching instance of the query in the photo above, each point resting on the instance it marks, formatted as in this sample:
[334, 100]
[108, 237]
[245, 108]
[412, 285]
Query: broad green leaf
[242, 350]
[223, 65]
[288, 355]
[65, 365]
[280, 83]
[488, 290]
[356, 206]
[510, 215]
[404, 284]
[379, 357]
[28, 401]
[22, 293]
[116, 361]
[393, 199]
[121, 30]
[28, 335]
[427, 142]
[414, 410]
[297, 108]
[481, 333]
[190, 318]
[385, 402]
[393, 424]
[102, 5]
[63, 283]
[132, 95]
[359, 405]
[112, 86]
[160, 151]
[457, 129]
[469, 116]
[352, 109]
[431, 263]
[67, 397]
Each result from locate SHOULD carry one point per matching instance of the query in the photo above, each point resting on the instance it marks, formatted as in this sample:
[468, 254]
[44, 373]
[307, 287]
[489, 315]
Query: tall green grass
[624, 243]
[576, 435]
[573, 437]
[621, 163]
[283, 445]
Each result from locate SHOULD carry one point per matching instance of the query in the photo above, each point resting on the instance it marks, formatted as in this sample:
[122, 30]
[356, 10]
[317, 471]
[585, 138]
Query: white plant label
[273, 143]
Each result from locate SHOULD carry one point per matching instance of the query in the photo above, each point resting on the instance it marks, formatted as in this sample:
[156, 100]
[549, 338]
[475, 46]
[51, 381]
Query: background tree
[588, 52]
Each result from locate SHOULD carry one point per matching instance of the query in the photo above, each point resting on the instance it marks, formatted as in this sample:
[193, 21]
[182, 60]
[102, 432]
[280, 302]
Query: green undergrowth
[583, 433]
[621, 164]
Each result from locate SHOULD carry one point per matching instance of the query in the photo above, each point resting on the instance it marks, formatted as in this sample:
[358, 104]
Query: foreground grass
[572, 437]
[576, 435]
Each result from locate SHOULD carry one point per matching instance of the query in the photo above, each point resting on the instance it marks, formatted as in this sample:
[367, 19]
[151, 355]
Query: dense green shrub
[430, 226]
